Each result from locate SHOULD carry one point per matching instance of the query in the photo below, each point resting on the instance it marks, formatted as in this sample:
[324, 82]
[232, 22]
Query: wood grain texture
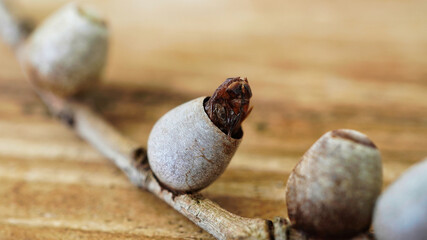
[313, 67]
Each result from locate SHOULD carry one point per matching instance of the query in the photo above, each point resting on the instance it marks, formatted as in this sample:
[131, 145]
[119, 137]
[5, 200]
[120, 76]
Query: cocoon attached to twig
[186, 151]
[191, 145]
[67, 52]
[332, 190]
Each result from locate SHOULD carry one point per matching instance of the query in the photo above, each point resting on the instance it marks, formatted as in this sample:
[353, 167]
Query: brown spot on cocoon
[360, 139]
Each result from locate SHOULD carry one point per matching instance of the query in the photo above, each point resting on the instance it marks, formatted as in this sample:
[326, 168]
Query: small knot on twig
[67, 117]
[140, 159]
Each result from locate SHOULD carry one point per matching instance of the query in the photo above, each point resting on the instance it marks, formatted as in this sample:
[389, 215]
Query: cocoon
[401, 211]
[67, 52]
[332, 190]
[186, 151]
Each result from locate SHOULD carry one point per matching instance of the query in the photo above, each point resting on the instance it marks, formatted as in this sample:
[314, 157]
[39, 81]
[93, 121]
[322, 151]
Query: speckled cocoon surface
[401, 211]
[333, 189]
[186, 151]
[67, 51]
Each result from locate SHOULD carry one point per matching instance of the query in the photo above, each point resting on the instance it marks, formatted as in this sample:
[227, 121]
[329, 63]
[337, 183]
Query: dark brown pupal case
[229, 105]
[332, 190]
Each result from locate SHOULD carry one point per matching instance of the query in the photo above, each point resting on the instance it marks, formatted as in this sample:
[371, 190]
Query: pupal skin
[186, 151]
[332, 190]
[401, 210]
[67, 52]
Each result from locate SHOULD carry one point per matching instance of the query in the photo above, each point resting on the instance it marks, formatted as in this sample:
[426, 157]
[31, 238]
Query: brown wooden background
[314, 66]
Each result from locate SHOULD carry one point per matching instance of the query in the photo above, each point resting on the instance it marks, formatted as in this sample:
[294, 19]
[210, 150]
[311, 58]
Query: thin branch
[131, 159]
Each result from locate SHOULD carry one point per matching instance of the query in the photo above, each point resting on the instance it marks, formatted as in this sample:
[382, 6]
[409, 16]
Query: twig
[131, 159]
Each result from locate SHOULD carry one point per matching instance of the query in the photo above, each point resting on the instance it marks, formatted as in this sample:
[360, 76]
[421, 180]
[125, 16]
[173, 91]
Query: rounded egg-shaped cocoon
[332, 190]
[401, 210]
[68, 51]
[186, 151]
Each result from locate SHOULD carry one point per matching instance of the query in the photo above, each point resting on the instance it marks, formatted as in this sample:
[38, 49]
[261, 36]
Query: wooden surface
[313, 67]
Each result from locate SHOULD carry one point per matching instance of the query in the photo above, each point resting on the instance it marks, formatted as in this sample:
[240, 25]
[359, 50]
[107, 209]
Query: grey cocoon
[68, 51]
[186, 151]
[401, 210]
[332, 190]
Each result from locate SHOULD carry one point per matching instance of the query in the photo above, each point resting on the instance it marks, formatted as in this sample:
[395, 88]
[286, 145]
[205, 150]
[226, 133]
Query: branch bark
[131, 159]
